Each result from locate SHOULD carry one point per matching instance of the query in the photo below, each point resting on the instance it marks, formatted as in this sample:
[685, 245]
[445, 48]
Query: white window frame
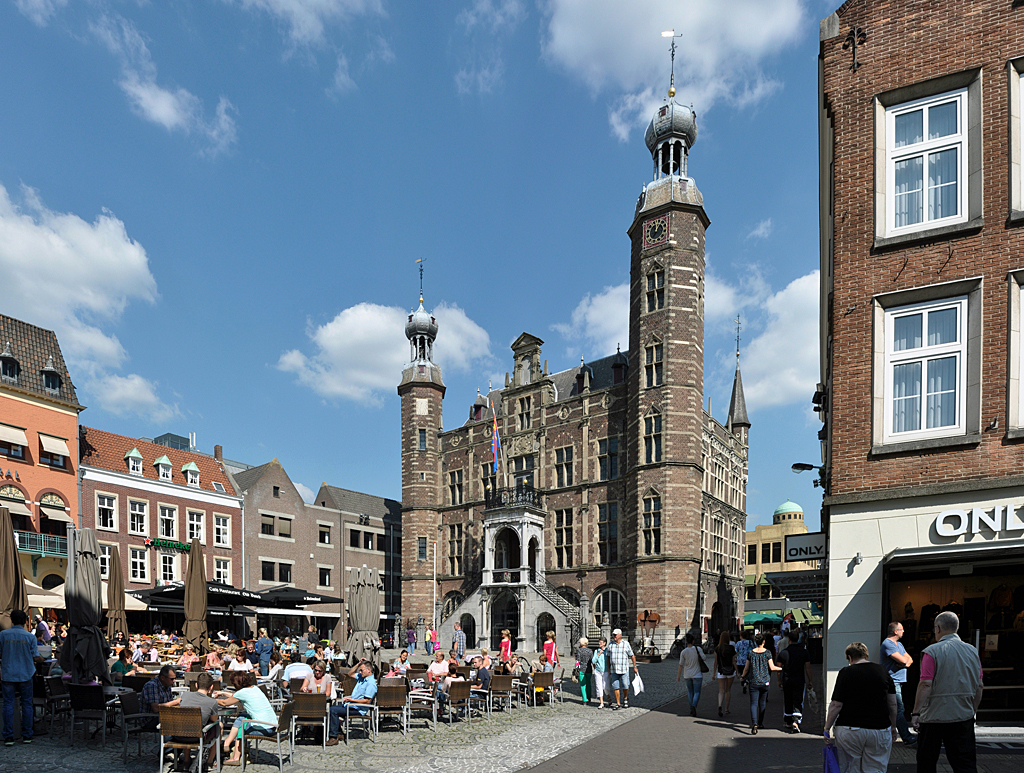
[104, 560]
[145, 517]
[227, 530]
[959, 141]
[139, 560]
[134, 466]
[168, 560]
[226, 562]
[161, 518]
[202, 525]
[113, 510]
[923, 354]
[192, 478]
[165, 472]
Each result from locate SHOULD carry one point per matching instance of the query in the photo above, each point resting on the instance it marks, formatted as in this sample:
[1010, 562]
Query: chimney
[218, 453]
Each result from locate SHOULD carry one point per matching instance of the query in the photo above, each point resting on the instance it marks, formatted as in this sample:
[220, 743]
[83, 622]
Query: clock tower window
[653, 364]
[656, 290]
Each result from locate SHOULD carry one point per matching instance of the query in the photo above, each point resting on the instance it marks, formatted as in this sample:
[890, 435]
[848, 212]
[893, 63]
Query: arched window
[612, 602]
[451, 603]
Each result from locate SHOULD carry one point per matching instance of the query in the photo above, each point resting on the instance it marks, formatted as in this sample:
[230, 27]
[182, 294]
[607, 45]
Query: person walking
[796, 675]
[619, 656]
[505, 646]
[690, 660]
[551, 649]
[862, 714]
[18, 658]
[743, 648]
[459, 642]
[896, 661]
[600, 670]
[584, 658]
[758, 673]
[947, 700]
[410, 639]
[725, 671]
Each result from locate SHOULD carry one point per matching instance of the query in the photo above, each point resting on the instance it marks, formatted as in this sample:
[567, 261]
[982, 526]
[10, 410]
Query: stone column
[421, 633]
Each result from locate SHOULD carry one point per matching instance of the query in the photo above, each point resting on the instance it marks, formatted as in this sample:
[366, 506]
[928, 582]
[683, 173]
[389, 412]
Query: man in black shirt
[796, 675]
[862, 713]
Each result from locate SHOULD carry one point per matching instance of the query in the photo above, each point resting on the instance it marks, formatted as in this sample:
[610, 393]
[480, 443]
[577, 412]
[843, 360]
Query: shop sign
[167, 544]
[805, 547]
[953, 523]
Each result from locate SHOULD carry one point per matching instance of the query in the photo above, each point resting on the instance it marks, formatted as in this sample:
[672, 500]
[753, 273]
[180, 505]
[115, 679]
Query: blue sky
[217, 204]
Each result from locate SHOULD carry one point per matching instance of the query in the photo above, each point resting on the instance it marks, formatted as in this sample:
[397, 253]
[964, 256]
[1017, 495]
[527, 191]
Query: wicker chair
[88, 704]
[134, 721]
[463, 671]
[283, 733]
[544, 682]
[393, 700]
[310, 710]
[354, 711]
[57, 700]
[348, 684]
[501, 689]
[181, 728]
[458, 697]
[295, 685]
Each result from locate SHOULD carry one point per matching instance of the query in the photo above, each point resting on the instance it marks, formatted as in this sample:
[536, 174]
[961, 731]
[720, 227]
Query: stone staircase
[572, 614]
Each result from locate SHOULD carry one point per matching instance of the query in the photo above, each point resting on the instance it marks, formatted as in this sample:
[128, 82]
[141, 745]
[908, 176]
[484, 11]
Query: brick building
[151, 500]
[921, 270]
[38, 447]
[614, 482]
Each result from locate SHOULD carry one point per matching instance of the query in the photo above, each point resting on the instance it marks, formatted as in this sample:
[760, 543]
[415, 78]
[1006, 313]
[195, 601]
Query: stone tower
[665, 390]
[421, 391]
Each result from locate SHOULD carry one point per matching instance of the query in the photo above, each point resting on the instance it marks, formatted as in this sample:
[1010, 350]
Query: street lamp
[802, 467]
[805, 467]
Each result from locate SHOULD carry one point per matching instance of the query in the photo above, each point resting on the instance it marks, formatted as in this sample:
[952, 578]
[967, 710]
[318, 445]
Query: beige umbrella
[115, 598]
[131, 603]
[12, 584]
[41, 598]
[195, 599]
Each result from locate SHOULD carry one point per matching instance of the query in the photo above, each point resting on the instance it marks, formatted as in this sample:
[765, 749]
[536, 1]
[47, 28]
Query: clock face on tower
[656, 231]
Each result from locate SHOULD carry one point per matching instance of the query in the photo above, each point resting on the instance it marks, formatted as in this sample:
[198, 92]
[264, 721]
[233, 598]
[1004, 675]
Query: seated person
[453, 658]
[438, 669]
[363, 694]
[297, 669]
[542, 664]
[276, 667]
[401, 665]
[208, 706]
[445, 687]
[240, 663]
[319, 681]
[214, 662]
[482, 679]
[122, 667]
[188, 657]
[258, 718]
[42, 647]
[157, 692]
[287, 646]
[329, 651]
[487, 662]
[141, 653]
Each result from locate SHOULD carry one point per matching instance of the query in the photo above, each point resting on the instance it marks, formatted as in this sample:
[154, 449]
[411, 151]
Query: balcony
[520, 496]
[41, 544]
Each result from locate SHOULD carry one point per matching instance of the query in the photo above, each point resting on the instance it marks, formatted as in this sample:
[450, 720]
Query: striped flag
[495, 440]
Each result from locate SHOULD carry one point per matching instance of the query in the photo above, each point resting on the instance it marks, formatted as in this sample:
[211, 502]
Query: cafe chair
[134, 721]
[283, 733]
[88, 704]
[458, 698]
[57, 700]
[310, 709]
[501, 690]
[181, 730]
[353, 711]
[543, 682]
[392, 700]
[424, 699]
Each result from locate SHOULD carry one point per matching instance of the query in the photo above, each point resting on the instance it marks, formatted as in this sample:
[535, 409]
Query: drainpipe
[245, 564]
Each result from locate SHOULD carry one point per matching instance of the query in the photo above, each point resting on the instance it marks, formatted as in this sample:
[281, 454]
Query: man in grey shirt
[208, 706]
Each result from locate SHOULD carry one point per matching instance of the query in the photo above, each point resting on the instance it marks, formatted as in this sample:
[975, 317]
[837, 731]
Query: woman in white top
[240, 664]
[319, 683]
[276, 667]
[690, 660]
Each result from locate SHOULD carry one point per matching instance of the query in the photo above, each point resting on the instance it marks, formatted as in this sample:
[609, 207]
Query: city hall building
[615, 492]
[922, 265]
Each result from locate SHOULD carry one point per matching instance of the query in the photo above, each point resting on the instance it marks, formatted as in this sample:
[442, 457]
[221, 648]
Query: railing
[520, 496]
[44, 544]
[503, 576]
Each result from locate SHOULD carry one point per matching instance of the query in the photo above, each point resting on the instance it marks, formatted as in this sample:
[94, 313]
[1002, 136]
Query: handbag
[700, 659]
[576, 673]
[829, 759]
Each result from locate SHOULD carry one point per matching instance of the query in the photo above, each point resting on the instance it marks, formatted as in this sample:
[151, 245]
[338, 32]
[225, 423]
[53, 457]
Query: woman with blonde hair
[551, 649]
[188, 657]
[505, 647]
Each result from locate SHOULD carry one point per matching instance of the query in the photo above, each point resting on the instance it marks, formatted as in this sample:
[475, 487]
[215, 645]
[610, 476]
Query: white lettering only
[946, 530]
[953, 523]
[980, 517]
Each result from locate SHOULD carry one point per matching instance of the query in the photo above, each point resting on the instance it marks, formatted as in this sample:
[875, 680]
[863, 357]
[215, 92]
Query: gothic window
[608, 458]
[653, 364]
[652, 525]
[523, 416]
[455, 486]
[488, 477]
[656, 289]
[608, 532]
[563, 538]
[563, 466]
[652, 438]
[455, 548]
[613, 604]
[522, 468]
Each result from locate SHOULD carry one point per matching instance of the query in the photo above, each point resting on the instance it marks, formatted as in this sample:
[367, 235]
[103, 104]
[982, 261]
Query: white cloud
[497, 15]
[342, 80]
[762, 230]
[482, 79]
[307, 494]
[40, 11]
[361, 352]
[94, 270]
[598, 324]
[174, 109]
[724, 46]
[780, 365]
[305, 20]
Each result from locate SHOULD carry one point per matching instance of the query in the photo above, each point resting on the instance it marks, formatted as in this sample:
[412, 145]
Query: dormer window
[163, 468]
[191, 474]
[134, 460]
[8, 365]
[51, 378]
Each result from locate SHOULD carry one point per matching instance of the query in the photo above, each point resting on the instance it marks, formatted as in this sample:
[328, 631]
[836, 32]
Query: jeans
[620, 682]
[693, 687]
[25, 689]
[758, 703]
[338, 715]
[957, 737]
[793, 700]
[411, 648]
[901, 717]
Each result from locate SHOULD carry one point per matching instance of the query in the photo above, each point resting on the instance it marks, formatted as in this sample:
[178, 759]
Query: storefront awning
[15, 507]
[54, 445]
[13, 435]
[292, 598]
[56, 514]
[943, 556]
[800, 586]
[749, 579]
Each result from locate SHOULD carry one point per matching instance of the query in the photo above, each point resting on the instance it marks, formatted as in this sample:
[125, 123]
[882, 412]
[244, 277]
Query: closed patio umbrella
[84, 654]
[195, 599]
[364, 587]
[12, 584]
[116, 618]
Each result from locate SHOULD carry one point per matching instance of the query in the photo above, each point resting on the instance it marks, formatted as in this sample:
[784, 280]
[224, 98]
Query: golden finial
[672, 81]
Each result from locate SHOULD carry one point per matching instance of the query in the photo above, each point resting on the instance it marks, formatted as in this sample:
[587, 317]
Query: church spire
[738, 404]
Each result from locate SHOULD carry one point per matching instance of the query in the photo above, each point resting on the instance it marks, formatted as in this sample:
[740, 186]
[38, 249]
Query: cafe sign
[167, 544]
[953, 523]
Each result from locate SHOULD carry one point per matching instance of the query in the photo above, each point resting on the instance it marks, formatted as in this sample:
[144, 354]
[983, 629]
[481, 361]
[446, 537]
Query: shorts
[719, 675]
[619, 681]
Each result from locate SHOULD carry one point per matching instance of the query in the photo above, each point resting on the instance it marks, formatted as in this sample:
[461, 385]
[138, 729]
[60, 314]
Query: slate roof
[245, 479]
[738, 404]
[32, 347]
[360, 503]
[106, 451]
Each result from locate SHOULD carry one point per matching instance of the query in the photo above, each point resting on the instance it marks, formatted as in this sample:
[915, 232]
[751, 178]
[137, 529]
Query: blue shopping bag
[828, 755]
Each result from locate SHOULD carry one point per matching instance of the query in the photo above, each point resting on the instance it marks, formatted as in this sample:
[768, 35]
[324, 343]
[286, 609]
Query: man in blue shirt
[896, 660]
[362, 695]
[18, 658]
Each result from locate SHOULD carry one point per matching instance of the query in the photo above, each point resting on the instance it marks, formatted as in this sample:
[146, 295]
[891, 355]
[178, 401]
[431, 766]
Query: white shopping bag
[638, 684]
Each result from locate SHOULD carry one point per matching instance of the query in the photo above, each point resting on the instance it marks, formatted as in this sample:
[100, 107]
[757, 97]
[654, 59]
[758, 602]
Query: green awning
[761, 617]
[133, 454]
[749, 579]
[763, 581]
[162, 460]
[801, 615]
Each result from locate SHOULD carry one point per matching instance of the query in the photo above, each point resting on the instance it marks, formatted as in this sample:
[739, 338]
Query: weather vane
[672, 81]
[421, 261]
[737, 321]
